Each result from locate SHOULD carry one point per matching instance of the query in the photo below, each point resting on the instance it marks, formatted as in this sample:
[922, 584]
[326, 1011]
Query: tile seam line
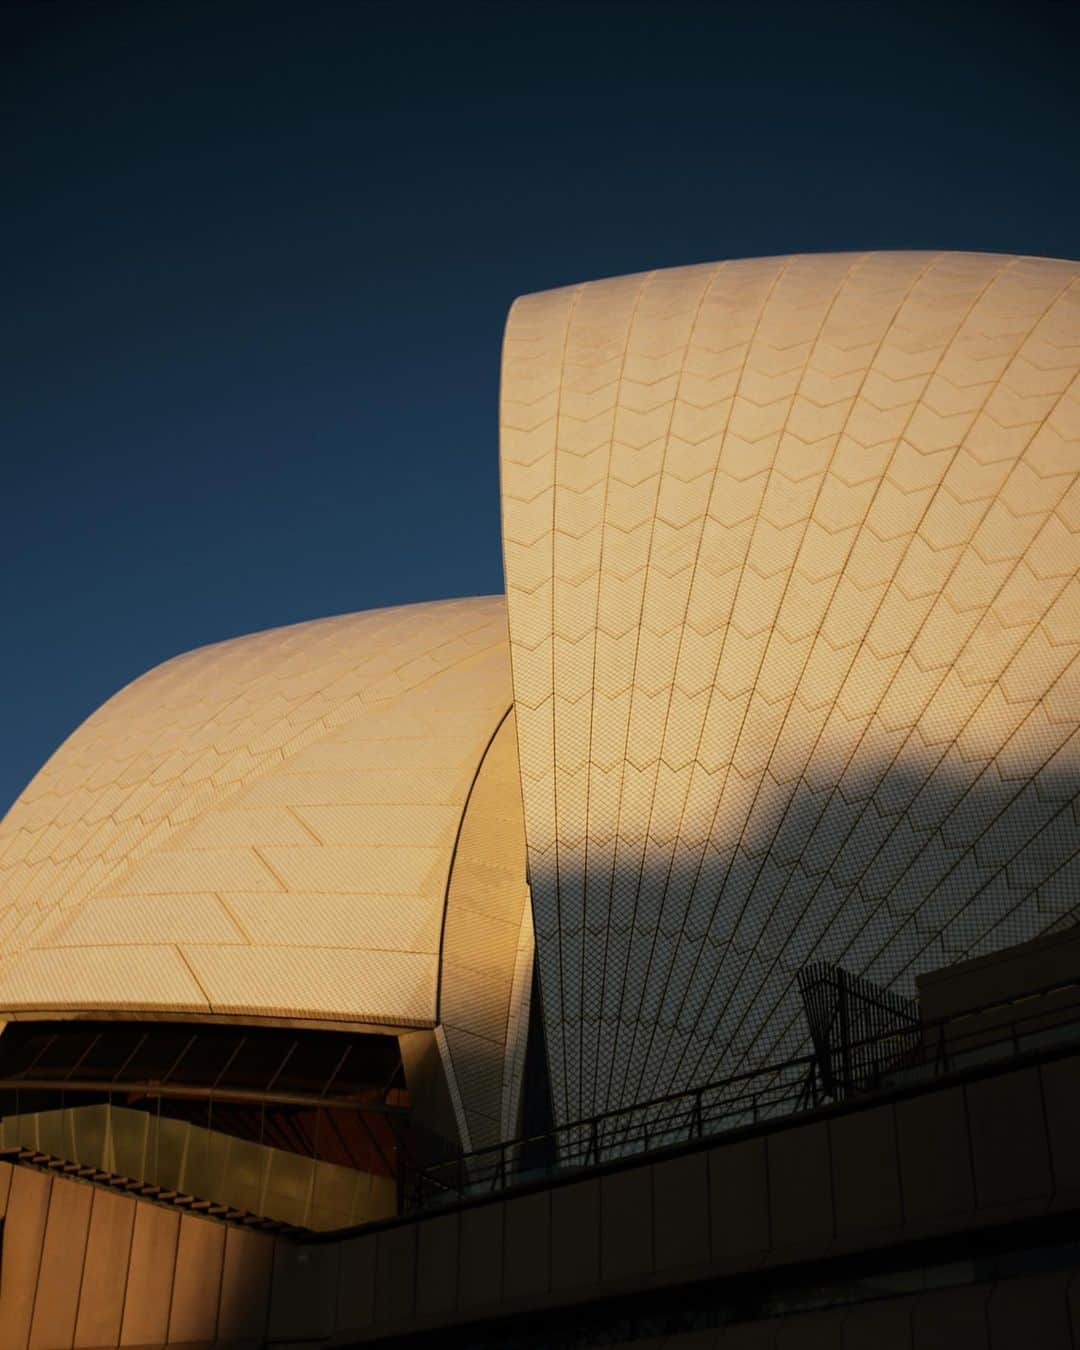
[960, 324]
[1061, 867]
[575, 300]
[921, 276]
[1018, 563]
[850, 276]
[275, 757]
[780, 275]
[645, 281]
[684, 349]
[780, 272]
[1012, 571]
[858, 261]
[913, 917]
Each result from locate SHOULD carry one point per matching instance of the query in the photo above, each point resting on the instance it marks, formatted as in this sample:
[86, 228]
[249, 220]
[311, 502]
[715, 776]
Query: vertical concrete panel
[1008, 1139]
[436, 1265]
[800, 1187]
[739, 1199]
[150, 1275]
[575, 1235]
[356, 1284]
[24, 1235]
[681, 1203]
[480, 1267]
[626, 1222]
[244, 1305]
[1032, 1311]
[62, 1257]
[811, 1331]
[105, 1270]
[395, 1275]
[866, 1180]
[935, 1161]
[1061, 1095]
[884, 1325]
[303, 1295]
[526, 1236]
[951, 1319]
[749, 1336]
[200, 1257]
[1074, 1307]
[6, 1170]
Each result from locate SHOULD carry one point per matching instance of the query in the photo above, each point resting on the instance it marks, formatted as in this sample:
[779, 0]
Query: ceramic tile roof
[261, 828]
[792, 551]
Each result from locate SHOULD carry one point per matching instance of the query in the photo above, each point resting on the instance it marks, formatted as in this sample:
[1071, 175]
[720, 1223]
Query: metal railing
[888, 1059]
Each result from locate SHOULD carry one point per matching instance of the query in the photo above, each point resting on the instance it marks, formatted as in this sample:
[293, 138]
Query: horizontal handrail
[915, 1050]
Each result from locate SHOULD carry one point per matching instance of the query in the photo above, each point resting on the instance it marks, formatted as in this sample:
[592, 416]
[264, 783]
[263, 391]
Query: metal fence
[896, 1051]
[859, 1030]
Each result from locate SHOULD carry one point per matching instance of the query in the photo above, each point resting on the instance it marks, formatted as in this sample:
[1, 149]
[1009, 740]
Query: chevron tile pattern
[262, 828]
[792, 551]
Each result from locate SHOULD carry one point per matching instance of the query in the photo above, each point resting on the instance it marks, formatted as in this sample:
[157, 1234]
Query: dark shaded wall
[978, 1155]
[916, 1184]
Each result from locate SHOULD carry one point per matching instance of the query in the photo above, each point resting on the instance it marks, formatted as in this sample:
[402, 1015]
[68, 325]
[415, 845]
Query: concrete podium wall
[87, 1268]
[989, 1151]
[1040, 1311]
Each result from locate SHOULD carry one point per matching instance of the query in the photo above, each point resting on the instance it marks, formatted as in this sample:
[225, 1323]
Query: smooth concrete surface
[83, 1267]
[800, 1191]
[739, 1184]
[681, 1200]
[935, 1168]
[527, 1246]
[866, 1171]
[1010, 1148]
[626, 1225]
[437, 1266]
[60, 1278]
[575, 1235]
[1023, 969]
[1027, 1312]
[1061, 1102]
[105, 1269]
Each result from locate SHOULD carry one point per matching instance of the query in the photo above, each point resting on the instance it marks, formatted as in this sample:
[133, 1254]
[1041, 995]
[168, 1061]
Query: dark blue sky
[256, 260]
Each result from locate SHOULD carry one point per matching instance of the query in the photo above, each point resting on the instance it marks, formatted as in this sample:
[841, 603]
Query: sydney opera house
[679, 951]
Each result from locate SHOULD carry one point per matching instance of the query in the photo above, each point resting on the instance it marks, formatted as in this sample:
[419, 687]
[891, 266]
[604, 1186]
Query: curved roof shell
[262, 829]
[791, 551]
